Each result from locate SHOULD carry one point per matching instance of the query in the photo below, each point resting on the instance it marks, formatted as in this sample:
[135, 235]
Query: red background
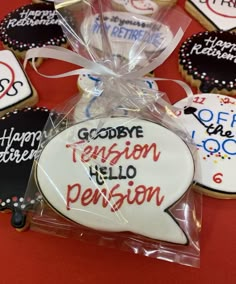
[32, 257]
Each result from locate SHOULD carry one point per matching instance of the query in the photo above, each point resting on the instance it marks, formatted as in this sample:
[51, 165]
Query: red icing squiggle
[12, 79]
[218, 13]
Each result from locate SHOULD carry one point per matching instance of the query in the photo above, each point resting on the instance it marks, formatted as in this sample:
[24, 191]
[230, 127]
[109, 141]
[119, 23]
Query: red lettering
[69, 199]
[74, 149]
[85, 154]
[99, 152]
[151, 192]
[111, 154]
[137, 153]
[140, 191]
[113, 198]
[199, 100]
[87, 197]
[148, 149]
[117, 205]
[97, 194]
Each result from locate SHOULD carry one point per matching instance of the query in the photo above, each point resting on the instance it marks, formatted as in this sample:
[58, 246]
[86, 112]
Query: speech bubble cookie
[124, 30]
[213, 14]
[89, 106]
[211, 122]
[124, 176]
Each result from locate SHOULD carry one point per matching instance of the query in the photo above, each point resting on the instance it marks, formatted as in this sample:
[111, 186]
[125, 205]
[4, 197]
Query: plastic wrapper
[121, 175]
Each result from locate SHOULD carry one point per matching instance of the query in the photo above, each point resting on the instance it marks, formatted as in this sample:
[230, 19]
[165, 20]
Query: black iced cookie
[33, 25]
[20, 132]
[208, 61]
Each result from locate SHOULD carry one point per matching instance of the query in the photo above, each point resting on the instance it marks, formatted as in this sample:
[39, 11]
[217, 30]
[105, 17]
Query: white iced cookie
[124, 176]
[213, 15]
[142, 7]
[123, 30]
[211, 122]
[88, 106]
[16, 90]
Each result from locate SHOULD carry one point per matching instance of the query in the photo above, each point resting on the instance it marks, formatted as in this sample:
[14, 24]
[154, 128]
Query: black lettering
[2, 87]
[14, 89]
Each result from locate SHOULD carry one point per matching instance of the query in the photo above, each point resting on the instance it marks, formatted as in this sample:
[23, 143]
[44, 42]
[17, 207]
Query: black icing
[14, 175]
[29, 30]
[213, 71]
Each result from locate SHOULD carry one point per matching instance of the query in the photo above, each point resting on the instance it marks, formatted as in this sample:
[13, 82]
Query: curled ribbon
[104, 73]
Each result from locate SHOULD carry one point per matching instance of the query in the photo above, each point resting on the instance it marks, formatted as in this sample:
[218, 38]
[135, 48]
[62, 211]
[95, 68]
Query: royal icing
[117, 178]
[123, 30]
[211, 58]
[20, 133]
[14, 85]
[142, 7]
[89, 105]
[211, 122]
[221, 13]
[30, 26]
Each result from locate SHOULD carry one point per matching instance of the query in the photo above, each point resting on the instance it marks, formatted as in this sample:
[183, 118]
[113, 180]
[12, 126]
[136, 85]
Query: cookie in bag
[211, 122]
[207, 61]
[88, 86]
[30, 26]
[125, 176]
[131, 31]
[20, 133]
[16, 90]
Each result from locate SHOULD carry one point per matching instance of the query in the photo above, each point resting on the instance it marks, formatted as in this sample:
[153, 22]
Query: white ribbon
[98, 69]
[69, 56]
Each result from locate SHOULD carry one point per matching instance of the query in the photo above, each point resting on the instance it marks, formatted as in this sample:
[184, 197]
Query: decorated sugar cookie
[117, 178]
[143, 7]
[89, 86]
[123, 30]
[213, 14]
[20, 133]
[208, 61]
[16, 90]
[211, 122]
[34, 25]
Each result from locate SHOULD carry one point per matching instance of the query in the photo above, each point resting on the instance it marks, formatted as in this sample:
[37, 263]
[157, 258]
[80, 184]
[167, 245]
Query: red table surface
[32, 257]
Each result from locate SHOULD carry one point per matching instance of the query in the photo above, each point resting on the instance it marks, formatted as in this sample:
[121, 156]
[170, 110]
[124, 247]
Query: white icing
[14, 86]
[34, 18]
[10, 137]
[138, 172]
[142, 7]
[217, 48]
[125, 29]
[221, 13]
[216, 153]
[88, 106]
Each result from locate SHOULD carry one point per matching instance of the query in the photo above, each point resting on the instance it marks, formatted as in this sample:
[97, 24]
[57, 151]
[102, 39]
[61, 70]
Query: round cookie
[208, 61]
[123, 31]
[146, 7]
[33, 25]
[141, 7]
[211, 122]
[117, 178]
[213, 15]
[16, 90]
[88, 106]
[20, 133]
